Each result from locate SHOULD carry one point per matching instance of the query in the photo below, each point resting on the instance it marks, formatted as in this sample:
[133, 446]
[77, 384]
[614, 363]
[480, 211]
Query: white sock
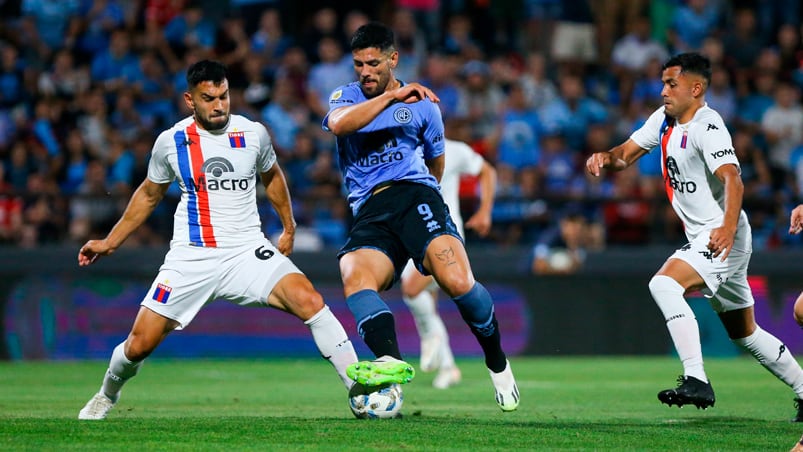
[332, 342]
[682, 324]
[775, 357]
[447, 357]
[120, 370]
[422, 307]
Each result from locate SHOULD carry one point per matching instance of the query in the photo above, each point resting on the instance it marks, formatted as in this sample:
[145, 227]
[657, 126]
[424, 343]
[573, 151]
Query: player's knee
[456, 284]
[409, 288]
[660, 284]
[798, 310]
[306, 303]
[138, 347]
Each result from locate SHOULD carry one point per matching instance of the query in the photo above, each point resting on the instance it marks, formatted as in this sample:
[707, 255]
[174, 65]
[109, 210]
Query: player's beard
[211, 126]
[381, 83]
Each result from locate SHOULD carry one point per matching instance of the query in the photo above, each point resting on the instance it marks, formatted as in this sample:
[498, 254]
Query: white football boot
[507, 393]
[97, 408]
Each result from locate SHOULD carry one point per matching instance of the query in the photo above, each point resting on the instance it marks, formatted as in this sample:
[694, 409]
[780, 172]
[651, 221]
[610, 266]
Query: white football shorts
[191, 277]
[726, 282]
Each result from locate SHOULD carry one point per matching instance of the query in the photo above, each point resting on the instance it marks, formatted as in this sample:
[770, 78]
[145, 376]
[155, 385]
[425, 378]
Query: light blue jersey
[392, 147]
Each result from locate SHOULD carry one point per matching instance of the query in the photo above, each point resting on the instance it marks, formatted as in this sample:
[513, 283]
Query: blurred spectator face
[517, 98]
[786, 95]
[745, 22]
[765, 83]
[572, 229]
[329, 50]
[720, 80]
[9, 57]
[768, 60]
[269, 21]
[404, 23]
[354, 20]
[787, 37]
[119, 44]
[713, 48]
[325, 20]
[571, 88]
[210, 104]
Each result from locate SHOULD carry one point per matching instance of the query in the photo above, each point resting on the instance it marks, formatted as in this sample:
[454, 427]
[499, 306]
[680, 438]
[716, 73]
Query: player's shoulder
[706, 119]
[241, 123]
[345, 94]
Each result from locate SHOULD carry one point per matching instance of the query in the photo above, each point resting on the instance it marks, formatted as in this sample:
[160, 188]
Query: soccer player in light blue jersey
[390, 148]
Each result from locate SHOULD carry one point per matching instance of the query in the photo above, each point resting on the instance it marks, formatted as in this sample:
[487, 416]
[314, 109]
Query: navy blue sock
[477, 309]
[375, 322]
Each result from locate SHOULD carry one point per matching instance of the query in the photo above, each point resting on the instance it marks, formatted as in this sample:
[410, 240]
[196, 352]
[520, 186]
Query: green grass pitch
[586, 403]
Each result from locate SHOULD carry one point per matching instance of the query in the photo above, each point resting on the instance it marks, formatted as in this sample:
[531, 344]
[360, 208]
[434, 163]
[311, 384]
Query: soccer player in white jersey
[704, 186]
[420, 292]
[218, 249]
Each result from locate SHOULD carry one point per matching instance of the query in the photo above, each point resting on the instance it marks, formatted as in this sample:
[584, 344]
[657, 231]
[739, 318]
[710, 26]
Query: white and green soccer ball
[376, 402]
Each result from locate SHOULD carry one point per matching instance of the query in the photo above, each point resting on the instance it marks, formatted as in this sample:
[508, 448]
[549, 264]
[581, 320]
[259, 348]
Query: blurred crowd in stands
[533, 85]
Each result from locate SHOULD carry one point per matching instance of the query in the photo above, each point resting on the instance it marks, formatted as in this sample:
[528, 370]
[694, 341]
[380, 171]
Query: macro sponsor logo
[723, 153]
[217, 167]
[377, 159]
[674, 176]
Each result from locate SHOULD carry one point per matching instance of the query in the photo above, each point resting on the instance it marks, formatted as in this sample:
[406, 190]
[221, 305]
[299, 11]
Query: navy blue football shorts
[401, 221]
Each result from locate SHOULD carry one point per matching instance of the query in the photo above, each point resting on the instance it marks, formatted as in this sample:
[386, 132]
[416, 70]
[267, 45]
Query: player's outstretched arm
[279, 197]
[481, 220]
[796, 220]
[616, 159]
[145, 199]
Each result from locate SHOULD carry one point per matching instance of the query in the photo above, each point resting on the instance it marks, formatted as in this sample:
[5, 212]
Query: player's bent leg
[147, 333]
[430, 328]
[295, 294]
[333, 343]
[768, 350]
[681, 323]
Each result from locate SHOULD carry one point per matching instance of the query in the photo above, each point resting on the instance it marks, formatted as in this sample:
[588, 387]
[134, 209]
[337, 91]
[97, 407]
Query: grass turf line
[594, 403]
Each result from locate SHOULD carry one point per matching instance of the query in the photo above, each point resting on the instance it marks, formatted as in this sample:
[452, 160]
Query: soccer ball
[376, 402]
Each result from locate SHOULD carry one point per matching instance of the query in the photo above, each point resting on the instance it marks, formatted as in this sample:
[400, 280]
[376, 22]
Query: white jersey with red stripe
[690, 154]
[460, 159]
[218, 173]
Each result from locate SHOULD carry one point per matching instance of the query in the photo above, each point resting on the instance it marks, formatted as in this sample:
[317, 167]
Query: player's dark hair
[693, 63]
[373, 34]
[206, 71]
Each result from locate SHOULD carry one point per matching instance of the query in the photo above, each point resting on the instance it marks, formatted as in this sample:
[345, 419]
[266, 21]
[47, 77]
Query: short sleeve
[647, 135]
[267, 155]
[159, 169]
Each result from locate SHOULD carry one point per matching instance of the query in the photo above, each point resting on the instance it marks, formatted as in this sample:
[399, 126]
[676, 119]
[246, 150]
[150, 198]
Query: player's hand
[92, 250]
[285, 242]
[599, 160]
[721, 242]
[480, 223]
[796, 220]
[414, 92]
